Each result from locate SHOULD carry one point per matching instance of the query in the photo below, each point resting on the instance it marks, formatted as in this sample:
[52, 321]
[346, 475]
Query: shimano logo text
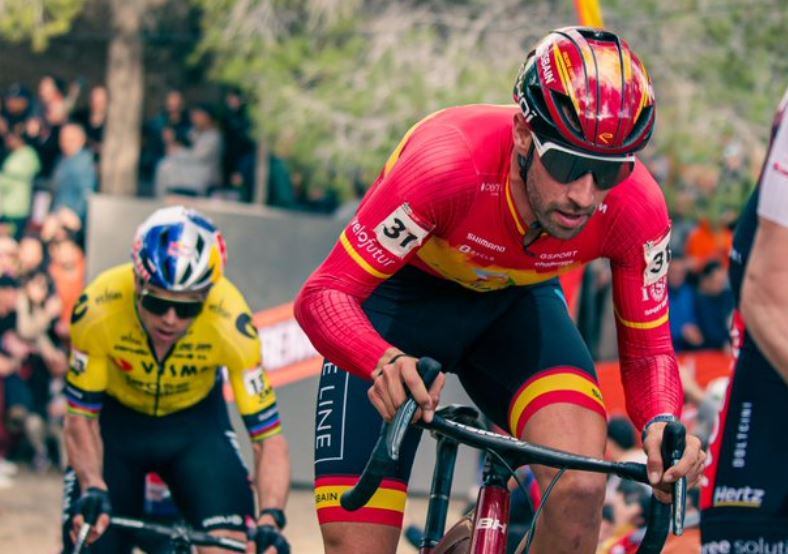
[486, 243]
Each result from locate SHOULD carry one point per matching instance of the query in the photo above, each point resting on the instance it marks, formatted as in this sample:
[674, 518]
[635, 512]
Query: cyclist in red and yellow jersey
[454, 253]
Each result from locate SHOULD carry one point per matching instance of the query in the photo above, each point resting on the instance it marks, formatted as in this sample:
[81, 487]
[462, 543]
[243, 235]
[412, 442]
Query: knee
[584, 491]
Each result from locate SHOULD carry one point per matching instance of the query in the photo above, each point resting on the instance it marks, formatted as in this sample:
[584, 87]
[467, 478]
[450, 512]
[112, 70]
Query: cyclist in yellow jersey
[144, 391]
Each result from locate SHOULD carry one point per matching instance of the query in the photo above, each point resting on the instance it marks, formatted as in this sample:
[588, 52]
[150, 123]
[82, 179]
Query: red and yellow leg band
[386, 507]
[557, 385]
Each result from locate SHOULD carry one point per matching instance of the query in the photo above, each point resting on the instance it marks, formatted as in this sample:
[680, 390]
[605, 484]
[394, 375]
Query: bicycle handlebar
[179, 532]
[385, 455]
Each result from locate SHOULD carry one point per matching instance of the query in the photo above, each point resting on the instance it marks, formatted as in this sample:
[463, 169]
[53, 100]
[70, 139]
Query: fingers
[654, 464]
[691, 464]
[392, 382]
[435, 393]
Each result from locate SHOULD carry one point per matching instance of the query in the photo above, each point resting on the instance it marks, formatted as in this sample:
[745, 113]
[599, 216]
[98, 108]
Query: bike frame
[491, 519]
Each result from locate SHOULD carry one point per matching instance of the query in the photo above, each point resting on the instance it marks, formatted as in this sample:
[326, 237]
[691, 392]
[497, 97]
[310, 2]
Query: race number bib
[255, 381]
[657, 256]
[399, 233]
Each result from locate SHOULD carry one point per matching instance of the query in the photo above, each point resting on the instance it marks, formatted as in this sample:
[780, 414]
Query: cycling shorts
[194, 451]
[514, 350]
[744, 500]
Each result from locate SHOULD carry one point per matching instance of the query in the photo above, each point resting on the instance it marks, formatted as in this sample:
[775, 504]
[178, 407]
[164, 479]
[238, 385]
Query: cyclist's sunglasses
[565, 165]
[160, 306]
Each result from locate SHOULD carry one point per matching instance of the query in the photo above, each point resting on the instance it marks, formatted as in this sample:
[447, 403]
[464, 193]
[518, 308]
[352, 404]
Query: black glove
[266, 536]
[92, 504]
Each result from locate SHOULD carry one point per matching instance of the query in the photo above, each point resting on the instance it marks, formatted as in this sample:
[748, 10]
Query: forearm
[766, 318]
[85, 450]
[652, 386]
[272, 471]
[340, 330]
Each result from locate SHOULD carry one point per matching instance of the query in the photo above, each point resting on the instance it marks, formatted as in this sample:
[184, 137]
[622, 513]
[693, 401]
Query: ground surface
[30, 516]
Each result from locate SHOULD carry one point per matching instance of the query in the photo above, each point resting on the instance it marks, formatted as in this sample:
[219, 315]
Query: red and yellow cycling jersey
[111, 354]
[443, 204]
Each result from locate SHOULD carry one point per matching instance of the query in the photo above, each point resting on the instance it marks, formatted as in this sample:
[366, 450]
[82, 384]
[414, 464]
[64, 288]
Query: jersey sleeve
[87, 375]
[638, 247]
[254, 395]
[424, 186]
[773, 202]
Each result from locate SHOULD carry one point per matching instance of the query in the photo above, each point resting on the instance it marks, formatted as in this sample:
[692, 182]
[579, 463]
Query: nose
[582, 191]
[170, 317]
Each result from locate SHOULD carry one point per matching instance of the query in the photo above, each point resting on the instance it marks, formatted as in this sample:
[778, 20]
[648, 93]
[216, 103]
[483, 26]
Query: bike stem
[491, 522]
[439, 494]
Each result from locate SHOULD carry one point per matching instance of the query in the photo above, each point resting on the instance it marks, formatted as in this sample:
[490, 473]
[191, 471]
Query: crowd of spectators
[48, 153]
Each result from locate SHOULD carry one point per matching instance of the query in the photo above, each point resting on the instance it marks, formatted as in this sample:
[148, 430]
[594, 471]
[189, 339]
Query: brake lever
[674, 440]
[428, 369]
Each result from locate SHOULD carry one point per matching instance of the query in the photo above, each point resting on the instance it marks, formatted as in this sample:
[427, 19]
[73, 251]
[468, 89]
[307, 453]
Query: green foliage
[338, 82]
[37, 20]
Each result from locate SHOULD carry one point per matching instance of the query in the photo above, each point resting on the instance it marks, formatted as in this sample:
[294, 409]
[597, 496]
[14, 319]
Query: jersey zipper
[160, 365]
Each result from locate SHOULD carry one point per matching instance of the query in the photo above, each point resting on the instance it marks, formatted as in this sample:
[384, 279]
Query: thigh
[346, 429]
[745, 495]
[531, 357]
[208, 479]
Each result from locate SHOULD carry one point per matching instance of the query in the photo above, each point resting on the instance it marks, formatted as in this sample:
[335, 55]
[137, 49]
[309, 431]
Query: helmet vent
[567, 111]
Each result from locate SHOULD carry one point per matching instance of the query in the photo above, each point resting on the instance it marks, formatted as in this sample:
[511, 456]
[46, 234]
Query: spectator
[714, 305]
[74, 178]
[238, 163]
[622, 443]
[192, 169]
[16, 182]
[18, 105]
[94, 118]
[67, 269]
[9, 256]
[173, 116]
[43, 129]
[630, 504]
[710, 240]
[21, 416]
[32, 256]
[683, 319]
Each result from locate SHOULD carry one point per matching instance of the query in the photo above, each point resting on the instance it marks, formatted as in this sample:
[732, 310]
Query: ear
[521, 134]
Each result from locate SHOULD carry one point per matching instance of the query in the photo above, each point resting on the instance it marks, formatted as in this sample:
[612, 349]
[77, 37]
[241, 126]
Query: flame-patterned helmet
[586, 89]
[178, 249]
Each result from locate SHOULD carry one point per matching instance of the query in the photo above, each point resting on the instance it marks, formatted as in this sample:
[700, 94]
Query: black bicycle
[179, 538]
[485, 532]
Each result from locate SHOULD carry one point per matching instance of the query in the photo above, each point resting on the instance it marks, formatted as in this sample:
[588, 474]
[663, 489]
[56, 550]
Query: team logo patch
[80, 308]
[658, 290]
[400, 233]
[657, 256]
[244, 324]
[77, 361]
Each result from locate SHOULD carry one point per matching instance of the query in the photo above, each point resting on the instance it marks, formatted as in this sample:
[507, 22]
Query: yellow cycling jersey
[111, 354]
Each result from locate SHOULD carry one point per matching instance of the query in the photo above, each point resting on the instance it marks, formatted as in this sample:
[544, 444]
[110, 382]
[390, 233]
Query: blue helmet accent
[178, 249]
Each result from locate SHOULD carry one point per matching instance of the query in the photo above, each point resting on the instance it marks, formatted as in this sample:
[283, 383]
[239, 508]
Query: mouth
[571, 220]
[164, 335]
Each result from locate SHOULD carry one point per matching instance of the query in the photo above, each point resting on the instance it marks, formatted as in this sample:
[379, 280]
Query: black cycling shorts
[744, 500]
[514, 350]
[194, 451]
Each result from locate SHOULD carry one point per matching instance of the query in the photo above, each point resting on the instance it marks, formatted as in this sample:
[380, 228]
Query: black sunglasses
[160, 306]
[565, 165]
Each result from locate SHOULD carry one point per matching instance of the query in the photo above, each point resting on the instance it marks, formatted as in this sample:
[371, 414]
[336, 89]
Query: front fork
[491, 522]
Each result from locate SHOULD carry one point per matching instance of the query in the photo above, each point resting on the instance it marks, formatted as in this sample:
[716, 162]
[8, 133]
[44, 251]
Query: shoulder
[227, 311]
[638, 204]
[107, 296]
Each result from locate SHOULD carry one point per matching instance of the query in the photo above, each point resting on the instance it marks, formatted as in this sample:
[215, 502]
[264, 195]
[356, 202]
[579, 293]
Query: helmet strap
[534, 229]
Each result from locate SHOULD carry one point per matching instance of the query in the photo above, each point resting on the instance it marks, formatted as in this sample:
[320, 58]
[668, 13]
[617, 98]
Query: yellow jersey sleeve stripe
[359, 260]
[644, 324]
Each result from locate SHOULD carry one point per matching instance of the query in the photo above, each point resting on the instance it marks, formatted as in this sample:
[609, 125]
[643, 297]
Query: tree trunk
[261, 174]
[121, 145]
